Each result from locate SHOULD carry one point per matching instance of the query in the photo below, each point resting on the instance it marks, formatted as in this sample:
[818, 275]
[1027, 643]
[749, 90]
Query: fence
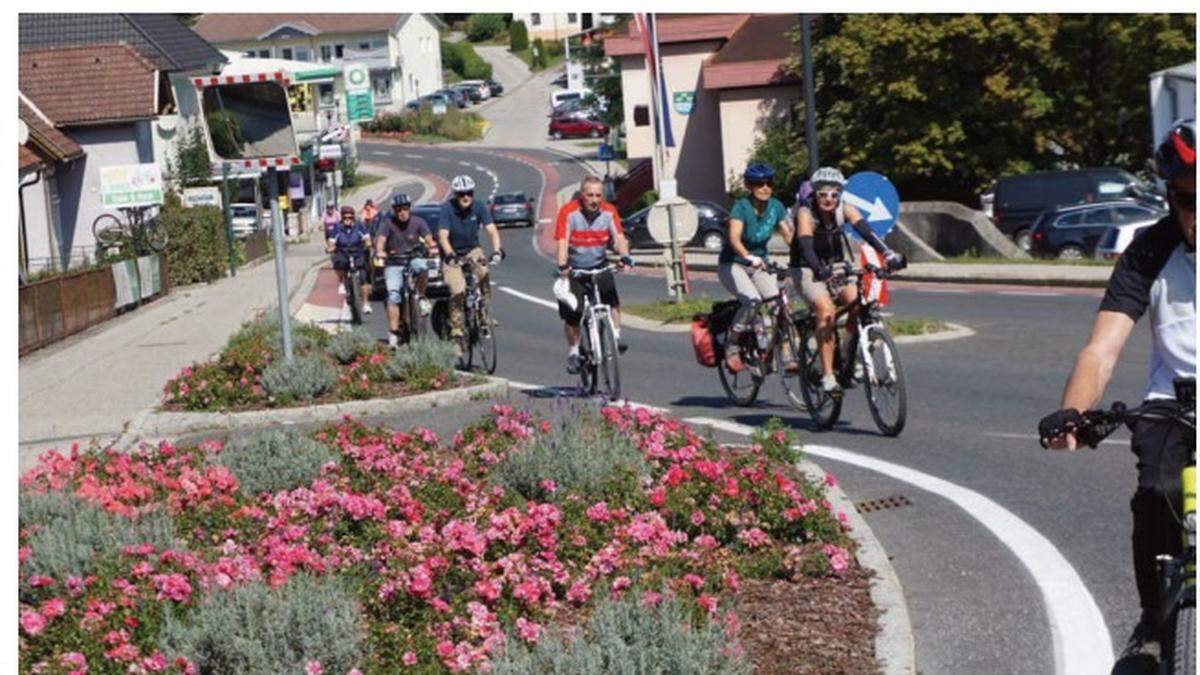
[55, 308]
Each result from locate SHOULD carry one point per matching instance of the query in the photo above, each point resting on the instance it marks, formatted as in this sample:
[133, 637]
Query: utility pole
[227, 213]
[810, 118]
[285, 319]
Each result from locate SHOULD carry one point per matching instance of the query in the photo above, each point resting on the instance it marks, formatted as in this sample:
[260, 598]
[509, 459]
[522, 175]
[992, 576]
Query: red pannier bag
[702, 342]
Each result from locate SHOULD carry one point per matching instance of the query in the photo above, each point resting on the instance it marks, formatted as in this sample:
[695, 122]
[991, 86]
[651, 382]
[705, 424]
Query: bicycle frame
[866, 317]
[593, 308]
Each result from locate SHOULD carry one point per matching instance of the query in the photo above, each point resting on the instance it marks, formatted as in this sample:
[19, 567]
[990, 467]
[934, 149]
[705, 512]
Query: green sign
[358, 78]
[684, 102]
[131, 185]
[359, 105]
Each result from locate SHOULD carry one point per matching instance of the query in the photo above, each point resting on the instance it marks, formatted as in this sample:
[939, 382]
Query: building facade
[557, 25]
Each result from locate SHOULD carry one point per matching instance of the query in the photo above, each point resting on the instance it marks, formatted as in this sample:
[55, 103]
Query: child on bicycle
[350, 240]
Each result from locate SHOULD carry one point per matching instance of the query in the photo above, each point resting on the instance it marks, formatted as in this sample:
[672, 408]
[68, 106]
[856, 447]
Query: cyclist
[402, 234]
[1156, 273]
[350, 239]
[742, 263]
[458, 236]
[820, 240]
[584, 228]
[331, 219]
[370, 216]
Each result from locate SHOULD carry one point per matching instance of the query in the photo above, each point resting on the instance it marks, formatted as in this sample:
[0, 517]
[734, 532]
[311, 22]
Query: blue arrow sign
[875, 196]
[606, 152]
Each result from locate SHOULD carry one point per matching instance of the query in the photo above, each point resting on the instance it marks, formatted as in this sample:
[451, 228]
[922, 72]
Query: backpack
[707, 331]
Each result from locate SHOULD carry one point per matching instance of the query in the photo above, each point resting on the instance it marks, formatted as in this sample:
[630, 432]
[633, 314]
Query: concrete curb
[895, 646]
[155, 424]
[954, 331]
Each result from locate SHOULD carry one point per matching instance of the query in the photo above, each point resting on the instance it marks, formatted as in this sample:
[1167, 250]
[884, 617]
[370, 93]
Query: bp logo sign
[357, 77]
[684, 102]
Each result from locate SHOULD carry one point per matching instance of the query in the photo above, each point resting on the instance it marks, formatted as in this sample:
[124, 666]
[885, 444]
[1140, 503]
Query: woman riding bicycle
[350, 240]
[742, 263]
[820, 241]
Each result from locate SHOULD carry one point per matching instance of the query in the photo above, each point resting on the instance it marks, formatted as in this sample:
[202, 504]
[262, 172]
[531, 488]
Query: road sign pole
[810, 115]
[227, 212]
[281, 285]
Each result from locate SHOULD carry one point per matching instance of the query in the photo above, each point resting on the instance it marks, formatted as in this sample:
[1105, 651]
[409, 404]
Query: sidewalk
[88, 386]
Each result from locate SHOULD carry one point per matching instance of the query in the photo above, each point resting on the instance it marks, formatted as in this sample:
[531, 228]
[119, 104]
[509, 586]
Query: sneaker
[830, 386]
[574, 363]
[342, 290]
[393, 340]
[621, 346]
[424, 306]
[366, 308]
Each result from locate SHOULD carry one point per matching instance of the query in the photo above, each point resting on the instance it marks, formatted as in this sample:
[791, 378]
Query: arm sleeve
[809, 252]
[443, 217]
[739, 210]
[864, 230]
[616, 219]
[1128, 290]
[560, 223]
[485, 216]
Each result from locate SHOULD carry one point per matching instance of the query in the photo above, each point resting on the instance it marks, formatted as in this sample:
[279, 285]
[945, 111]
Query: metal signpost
[876, 197]
[227, 213]
[810, 114]
[285, 320]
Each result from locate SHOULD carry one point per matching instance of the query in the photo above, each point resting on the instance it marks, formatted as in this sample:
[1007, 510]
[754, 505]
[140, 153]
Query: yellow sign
[284, 203]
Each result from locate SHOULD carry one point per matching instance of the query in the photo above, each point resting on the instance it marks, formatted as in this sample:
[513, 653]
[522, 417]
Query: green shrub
[453, 125]
[421, 361]
[272, 461]
[197, 250]
[482, 27]
[539, 54]
[518, 37]
[580, 453]
[304, 379]
[647, 198]
[252, 629]
[349, 167]
[623, 636]
[462, 58]
[76, 535]
[351, 344]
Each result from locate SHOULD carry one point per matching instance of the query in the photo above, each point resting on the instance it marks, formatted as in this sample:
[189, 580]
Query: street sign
[574, 75]
[359, 106]
[332, 151]
[875, 196]
[606, 152]
[357, 77]
[201, 196]
[686, 221]
[684, 101]
[131, 185]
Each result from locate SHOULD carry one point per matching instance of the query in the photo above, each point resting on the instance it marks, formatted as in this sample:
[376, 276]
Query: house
[726, 78]
[558, 25]
[402, 51]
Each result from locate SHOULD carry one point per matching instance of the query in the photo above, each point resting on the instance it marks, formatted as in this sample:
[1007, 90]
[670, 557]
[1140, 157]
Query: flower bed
[249, 373]
[431, 557]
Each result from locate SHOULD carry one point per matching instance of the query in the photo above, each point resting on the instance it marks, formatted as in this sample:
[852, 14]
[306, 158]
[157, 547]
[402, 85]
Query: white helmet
[828, 175]
[462, 183]
[562, 292]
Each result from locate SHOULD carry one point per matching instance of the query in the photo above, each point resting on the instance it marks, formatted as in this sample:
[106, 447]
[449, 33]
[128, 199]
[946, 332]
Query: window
[641, 115]
[1069, 220]
[249, 54]
[1130, 214]
[302, 54]
[378, 43]
[339, 51]
[264, 53]
[365, 45]
[381, 86]
[286, 53]
[535, 19]
[571, 18]
[325, 94]
[1097, 217]
[326, 53]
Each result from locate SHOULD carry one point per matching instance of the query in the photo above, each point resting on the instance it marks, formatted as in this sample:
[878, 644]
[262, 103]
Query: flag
[648, 28]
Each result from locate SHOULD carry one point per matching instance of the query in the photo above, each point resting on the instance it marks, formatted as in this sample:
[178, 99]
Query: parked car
[561, 80]
[428, 212]
[1074, 232]
[512, 208]
[1132, 221]
[710, 231]
[495, 87]
[573, 125]
[459, 97]
[245, 220]
[471, 92]
[484, 89]
[557, 98]
[1019, 200]
[430, 100]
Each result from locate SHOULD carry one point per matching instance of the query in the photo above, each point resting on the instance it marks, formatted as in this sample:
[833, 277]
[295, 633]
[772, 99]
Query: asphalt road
[973, 408]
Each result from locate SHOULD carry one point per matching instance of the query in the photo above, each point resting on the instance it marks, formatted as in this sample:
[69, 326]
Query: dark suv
[1019, 200]
[1073, 232]
[710, 231]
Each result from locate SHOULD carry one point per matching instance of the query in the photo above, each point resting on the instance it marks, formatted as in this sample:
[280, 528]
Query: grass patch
[361, 181]
[526, 55]
[900, 327]
[667, 311]
[972, 259]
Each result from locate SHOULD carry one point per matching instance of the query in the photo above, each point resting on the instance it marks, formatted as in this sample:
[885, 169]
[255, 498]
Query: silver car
[1134, 219]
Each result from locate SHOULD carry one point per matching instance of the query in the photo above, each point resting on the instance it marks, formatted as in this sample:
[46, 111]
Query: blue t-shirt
[350, 239]
[464, 227]
[756, 229]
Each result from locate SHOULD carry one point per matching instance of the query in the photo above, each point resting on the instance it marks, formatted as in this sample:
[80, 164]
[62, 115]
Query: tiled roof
[162, 38]
[761, 37]
[236, 27]
[768, 72]
[27, 159]
[89, 85]
[676, 28]
[53, 144]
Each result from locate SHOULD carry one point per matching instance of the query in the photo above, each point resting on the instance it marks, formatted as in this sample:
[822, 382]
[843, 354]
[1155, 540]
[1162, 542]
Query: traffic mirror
[249, 120]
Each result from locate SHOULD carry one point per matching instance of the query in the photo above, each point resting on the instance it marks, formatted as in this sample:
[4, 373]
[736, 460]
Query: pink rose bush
[447, 564]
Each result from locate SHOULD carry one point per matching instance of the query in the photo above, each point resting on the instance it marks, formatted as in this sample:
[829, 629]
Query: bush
[462, 58]
[197, 250]
[272, 461]
[304, 379]
[539, 54]
[580, 454]
[76, 535]
[421, 362]
[518, 37]
[349, 345]
[453, 125]
[624, 636]
[482, 27]
[253, 629]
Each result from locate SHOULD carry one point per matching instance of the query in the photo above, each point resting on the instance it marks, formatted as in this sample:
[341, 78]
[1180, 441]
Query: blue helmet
[401, 200]
[758, 171]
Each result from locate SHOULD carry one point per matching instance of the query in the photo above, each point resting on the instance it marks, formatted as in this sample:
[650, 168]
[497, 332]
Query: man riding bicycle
[742, 263]
[1156, 273]
[350, 240]
[370, 216]
[402, 236]
[583, 230]
[458, 236]
[820, 241]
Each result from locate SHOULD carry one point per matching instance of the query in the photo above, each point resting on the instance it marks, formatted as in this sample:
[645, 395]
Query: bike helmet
[462, 183]
[828, 175]
[1176, 153]
[758, 171]
[401, 200]
[348, 210]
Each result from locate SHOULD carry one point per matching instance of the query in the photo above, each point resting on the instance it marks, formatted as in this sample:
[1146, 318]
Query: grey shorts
[748, 284]
[809, 287]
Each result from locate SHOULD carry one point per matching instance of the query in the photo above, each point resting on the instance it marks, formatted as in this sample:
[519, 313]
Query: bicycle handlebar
[1092, 426]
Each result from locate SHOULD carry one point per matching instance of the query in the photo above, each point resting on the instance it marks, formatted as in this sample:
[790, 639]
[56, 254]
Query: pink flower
[32, 622]
[579, 593]
[598, 512]
[706, 542]
[40, 581]
[74, 660]
[445, 648]
[528, 631]
[830, 480]
[708, 602]
[53, 608]
[730, 579]
[488, 590]
[313, 668]
[695, 580]
[172, 586]
[548, 485]
[420, 583]
[650, 598]
[698, 518]
[753, 537]
[839, 558]
[619, 584]
[658, 496]
[409, 659]
[155, 663]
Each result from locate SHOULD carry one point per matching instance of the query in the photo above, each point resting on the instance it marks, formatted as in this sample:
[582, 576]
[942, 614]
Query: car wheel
[594, 133]
[1024, 240]
[1070, 252]
[713, 241]
[556, 135]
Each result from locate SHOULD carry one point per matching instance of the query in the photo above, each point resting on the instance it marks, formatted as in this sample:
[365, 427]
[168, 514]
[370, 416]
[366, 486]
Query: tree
[482, 27]
[192, 166]
[603, 75]
[518, 37]
[539, 54]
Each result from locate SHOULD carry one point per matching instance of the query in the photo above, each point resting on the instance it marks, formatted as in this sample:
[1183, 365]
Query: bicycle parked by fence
[597, 339]
[143, 233]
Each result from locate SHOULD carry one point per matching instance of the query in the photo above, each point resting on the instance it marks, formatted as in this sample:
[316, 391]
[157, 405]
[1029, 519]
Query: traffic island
[520, 542]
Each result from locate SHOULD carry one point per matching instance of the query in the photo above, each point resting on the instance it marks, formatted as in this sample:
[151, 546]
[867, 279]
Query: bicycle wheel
[412, 315]
[156, 237]
[108, 230]
[822, 408]
[741, 387]
[790, 336]
[1179, 641]
[485, 336]
[352, 299]
[884, 378]
[588, 375]
[609, 366]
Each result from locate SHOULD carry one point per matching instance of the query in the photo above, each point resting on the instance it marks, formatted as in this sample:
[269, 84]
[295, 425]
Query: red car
[576, 125]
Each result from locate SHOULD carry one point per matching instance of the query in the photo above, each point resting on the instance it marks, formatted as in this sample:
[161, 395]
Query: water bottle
[762, 334]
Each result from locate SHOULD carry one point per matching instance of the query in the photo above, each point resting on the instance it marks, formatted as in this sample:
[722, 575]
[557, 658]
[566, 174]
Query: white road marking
[530, 298]
[414, 156]
[384, 153]
[466, 164]
[1034, 438]
[1082, 643]
[1030, 294]
[525, 386]
[543, 221]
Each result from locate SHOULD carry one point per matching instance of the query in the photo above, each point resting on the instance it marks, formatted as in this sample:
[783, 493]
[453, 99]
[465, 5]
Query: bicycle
[353, 283]
[1176, 623]
[597, 341]
[110, 231]
[883, 374]
[772, 344]
[479, 333]
[410, 311]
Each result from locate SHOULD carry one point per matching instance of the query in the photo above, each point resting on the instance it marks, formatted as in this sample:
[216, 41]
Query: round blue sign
[876, 198]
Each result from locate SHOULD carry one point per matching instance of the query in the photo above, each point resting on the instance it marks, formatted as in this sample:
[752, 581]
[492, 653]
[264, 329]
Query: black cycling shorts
[608, 295]
[341, 260]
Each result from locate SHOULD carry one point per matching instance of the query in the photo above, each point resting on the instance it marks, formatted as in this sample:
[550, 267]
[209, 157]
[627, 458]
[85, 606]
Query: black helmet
[401, 200]
[1176, 153]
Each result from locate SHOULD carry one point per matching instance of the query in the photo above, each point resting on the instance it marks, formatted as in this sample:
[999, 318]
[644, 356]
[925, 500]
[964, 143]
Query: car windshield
[514, 198]
[244, 211]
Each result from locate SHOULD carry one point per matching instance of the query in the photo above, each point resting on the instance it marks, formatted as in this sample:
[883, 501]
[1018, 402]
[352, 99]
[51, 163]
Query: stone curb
[155, 424]
[895, 646]
[954, 331]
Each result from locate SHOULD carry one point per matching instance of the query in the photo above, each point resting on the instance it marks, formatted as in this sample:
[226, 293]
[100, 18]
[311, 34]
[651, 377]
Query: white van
[557, 98]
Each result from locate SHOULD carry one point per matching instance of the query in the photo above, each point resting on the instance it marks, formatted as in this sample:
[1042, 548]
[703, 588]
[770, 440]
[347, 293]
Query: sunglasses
[1185, 200]
[347, 217]
[468, 193]
[759, 183]
[829, 194]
